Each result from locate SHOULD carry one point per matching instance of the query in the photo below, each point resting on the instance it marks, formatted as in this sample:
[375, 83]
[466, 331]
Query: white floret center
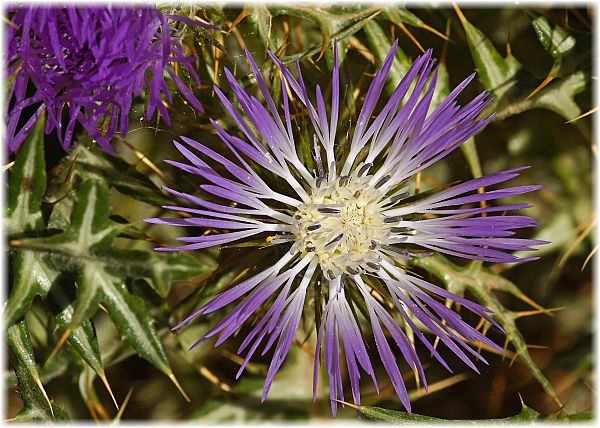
[343, 225]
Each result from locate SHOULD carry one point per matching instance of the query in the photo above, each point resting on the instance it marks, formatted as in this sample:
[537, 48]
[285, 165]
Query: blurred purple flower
[91, 60]
[350, 220]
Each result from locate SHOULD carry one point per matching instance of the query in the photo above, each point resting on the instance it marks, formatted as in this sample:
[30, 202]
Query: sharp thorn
[178, 386]
[102, 376]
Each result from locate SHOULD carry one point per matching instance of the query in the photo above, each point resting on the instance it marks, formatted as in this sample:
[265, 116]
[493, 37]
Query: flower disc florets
[343, 225]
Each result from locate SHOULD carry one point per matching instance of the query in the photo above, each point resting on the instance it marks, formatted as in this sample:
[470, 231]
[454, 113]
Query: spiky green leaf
[27, 184]
[560, 96]
[82, 338]
[555, 39]
[497, 74]
[36, 404]
[93, 163]
[526, 415]
[131, 318]
[87, 245]
[261, 18]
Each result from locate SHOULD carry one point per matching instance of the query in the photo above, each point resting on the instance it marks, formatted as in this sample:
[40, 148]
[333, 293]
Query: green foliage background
[90, 304]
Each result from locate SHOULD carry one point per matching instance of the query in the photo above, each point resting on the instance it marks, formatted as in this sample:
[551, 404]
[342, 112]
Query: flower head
[90, 61]
[351, 222]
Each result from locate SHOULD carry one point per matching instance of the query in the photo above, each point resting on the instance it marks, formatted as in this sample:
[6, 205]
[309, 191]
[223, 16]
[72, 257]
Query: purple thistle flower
[92, 61]
[350, 221]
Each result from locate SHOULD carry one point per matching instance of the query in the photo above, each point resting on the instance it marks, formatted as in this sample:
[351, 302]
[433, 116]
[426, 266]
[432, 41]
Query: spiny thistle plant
[352, 221]
[338, 222]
